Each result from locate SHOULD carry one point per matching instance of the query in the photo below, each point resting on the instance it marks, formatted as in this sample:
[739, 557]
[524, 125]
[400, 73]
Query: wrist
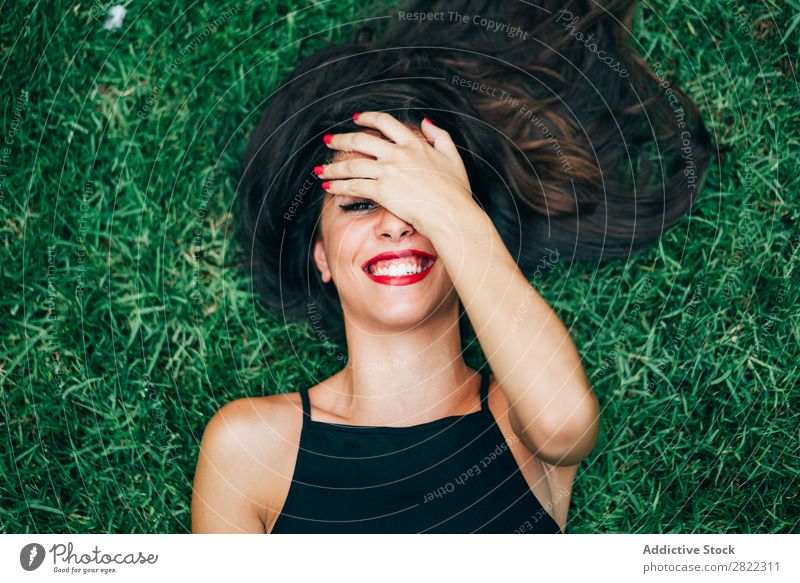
[469, 235]
[464, 220]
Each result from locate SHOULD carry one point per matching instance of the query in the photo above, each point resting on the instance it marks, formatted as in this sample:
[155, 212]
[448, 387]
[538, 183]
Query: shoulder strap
[306, 404]
[485, 387]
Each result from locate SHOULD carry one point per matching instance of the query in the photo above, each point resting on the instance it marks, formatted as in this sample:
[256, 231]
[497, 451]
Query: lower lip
[402, 279]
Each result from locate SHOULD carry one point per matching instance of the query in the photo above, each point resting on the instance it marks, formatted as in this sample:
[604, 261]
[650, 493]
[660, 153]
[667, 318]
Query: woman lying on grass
[400, 237]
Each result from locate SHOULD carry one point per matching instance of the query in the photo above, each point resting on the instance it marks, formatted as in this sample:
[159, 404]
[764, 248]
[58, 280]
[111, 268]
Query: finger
[359, 142]
[387, 124]
[440, 139]
[352, 168]
[363, 187]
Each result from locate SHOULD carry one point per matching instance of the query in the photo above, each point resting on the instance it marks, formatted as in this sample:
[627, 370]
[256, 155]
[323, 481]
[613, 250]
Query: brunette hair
[572, 144]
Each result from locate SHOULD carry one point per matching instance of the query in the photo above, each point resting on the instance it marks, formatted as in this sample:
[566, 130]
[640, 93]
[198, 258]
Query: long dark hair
[572, 143]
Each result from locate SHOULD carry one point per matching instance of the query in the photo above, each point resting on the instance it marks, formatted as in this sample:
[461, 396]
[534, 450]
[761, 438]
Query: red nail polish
[327, 138]
[427, 120]
[355, 115]
[319, 170]
[326, 185]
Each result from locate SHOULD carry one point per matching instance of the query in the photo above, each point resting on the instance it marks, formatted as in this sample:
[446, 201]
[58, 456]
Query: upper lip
[396, 255]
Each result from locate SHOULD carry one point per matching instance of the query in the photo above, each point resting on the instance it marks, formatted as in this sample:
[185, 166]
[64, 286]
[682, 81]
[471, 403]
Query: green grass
[106, 388]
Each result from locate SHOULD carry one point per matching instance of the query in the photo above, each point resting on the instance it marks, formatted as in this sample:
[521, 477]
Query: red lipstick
[428, 258]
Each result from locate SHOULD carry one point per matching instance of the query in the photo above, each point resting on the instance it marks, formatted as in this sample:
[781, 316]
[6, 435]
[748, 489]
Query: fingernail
[326, 185]
[327, 138]
[319, 170]
[427, 120]
[355, 115]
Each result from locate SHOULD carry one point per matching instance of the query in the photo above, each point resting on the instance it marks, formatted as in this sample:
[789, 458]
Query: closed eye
[359, 206]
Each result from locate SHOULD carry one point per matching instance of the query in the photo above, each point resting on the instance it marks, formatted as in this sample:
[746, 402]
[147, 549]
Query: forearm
[553, 408]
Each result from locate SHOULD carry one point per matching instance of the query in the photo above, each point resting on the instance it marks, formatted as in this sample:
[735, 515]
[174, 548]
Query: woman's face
[391, 296]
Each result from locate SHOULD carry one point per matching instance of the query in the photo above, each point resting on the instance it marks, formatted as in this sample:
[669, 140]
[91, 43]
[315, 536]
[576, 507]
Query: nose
[391, 226]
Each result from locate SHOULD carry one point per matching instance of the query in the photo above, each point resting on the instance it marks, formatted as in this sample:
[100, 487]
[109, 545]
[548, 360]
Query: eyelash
[351, 207]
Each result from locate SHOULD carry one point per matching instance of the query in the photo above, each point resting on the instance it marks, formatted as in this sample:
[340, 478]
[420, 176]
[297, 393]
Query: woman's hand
[422, 181]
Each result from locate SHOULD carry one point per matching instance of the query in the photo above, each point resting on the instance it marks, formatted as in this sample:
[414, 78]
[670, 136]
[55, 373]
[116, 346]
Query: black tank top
[452, 475]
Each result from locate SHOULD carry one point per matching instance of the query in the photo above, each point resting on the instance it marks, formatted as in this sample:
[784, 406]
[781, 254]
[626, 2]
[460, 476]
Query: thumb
[439, 139]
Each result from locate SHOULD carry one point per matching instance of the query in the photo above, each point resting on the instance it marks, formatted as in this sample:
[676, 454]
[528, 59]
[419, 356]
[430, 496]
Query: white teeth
[399, 270]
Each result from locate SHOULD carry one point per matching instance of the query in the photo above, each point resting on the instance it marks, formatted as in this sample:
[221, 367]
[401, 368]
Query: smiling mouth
[400, 267]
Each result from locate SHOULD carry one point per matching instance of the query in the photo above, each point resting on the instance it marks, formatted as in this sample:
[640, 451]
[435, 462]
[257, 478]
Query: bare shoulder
[243, 453]
[250, 419]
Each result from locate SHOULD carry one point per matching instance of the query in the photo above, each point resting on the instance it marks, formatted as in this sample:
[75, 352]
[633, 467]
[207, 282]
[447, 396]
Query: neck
[408, 377]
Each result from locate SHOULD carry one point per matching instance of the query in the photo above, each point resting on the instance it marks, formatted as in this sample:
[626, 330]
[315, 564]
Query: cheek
[347, 244]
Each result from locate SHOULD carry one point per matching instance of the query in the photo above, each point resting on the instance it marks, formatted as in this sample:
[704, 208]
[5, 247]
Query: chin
[393, 317]
[399, 307]
[400, 316]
